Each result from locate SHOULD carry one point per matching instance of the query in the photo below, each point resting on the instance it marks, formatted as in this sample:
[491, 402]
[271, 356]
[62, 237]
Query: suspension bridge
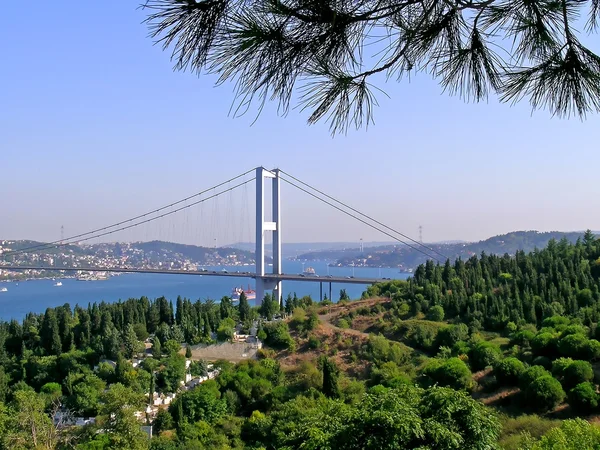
[268, 229]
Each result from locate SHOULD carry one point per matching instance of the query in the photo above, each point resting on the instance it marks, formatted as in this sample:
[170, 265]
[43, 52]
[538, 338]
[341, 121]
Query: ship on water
[92, 276]
[309, 272]
[237, 293]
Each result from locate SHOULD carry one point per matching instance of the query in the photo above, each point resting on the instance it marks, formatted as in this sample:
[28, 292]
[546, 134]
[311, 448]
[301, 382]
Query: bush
[583, 398]
[452, 334]
[436, 313]
[508, 371]
[510, 328]
[575, 345]
[545, 393]
[452, 372]
[523, 338]
[513, 429]
[530, 375]
[343, 323]
[484, 354]
[559, 367]
[278, 335]
[313, 342]
[544, 344]
[593, 350]
[578, 372]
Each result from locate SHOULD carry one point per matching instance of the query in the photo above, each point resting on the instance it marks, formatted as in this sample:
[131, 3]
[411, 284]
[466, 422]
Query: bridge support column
[330, 298]
[261, 227]
[321, 291]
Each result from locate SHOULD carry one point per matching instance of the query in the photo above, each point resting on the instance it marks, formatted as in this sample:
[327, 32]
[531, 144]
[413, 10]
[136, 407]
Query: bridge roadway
[212, 273]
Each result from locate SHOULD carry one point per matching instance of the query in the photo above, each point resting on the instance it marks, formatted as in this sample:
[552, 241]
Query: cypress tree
[330, 378]
[244, 307]
[179, 311]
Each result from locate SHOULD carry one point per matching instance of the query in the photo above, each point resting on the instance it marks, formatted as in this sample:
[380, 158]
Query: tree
[344, 295]
[188, 351]
[484, 354]
[384, 419]
[330, 378]
[201, 403]
[583, 398]
[272, 49]
[508, 371]
[278, 335]
[452, 372]
[156, 348]
[243, 307]
[163, 421]
[172, 373]
[117, 418]
[226, 330]
[130, 342]
[29, 426]
[573, 434]
[269, 307]
[172, 347]
[49, 333]
[545, 393]
[577, 372]
[436, 313]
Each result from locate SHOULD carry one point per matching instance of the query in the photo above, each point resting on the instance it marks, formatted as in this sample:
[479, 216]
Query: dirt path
[326, 321]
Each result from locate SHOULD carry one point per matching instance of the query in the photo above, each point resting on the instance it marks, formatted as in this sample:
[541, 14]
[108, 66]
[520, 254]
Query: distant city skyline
[96, 128]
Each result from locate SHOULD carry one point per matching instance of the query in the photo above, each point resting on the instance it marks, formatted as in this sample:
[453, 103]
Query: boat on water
[3, 289]
[92, 277]
[237, 293]
[309, 272]
[58, 283]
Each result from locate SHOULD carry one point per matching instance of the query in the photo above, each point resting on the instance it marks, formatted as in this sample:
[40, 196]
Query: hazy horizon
[97, 128]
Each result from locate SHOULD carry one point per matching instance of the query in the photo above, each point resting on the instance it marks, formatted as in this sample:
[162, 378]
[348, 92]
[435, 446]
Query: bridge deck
[212, 273]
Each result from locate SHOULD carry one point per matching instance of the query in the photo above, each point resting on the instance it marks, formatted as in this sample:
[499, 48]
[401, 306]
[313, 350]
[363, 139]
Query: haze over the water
[96, 128]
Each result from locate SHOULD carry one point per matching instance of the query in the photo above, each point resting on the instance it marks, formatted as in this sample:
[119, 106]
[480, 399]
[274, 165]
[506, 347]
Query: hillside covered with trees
[406, 257]
[491, 352]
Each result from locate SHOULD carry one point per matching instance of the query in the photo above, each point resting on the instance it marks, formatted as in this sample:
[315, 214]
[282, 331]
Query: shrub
[523, 338]
[544, 344]
[514, 428]
[530, 375]
[508, 371]
[578, 372]
[313, 341]
[593, 350]
[452, 334]
[343, 323]
[484, 354]
[575, 329]
[510, 328]
[559, 367]
[583, 398]
[545, 393]
[557, 322]
[436, 313]
[574, 345]
[278, 335]
[452, 372]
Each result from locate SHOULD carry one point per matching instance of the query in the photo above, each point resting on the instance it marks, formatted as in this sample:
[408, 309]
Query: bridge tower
[262, 227]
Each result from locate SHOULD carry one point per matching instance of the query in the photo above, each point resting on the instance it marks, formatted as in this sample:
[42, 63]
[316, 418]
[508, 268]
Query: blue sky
[95, 127]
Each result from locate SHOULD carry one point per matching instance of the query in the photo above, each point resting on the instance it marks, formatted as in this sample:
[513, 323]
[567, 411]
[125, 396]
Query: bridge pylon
[263, 226]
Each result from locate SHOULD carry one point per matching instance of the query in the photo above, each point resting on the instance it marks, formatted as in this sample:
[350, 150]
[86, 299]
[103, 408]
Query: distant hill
[134, 254]
[293, 249]
[406, 257]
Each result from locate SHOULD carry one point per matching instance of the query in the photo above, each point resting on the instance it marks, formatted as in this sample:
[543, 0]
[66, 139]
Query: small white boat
[58, 284]
[3, 289]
